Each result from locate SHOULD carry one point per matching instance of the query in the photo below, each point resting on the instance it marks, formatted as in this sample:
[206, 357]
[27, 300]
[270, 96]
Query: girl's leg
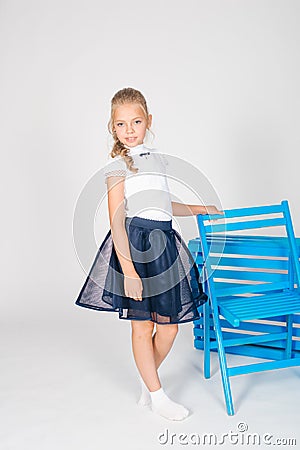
[162, 341]
[149, 352]
[160, 403]
[142, 347]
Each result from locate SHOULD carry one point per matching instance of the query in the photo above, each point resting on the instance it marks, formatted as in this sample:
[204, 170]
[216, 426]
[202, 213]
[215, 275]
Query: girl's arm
[181, 209]
[116, 209]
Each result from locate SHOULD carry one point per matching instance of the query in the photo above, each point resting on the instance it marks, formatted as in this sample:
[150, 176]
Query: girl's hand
[133, 286]
[211, 210]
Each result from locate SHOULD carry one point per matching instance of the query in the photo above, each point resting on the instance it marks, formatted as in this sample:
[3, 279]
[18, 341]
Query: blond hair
[122, 97]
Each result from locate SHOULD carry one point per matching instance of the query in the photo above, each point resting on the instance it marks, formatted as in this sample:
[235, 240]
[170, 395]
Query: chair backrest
[248, 264]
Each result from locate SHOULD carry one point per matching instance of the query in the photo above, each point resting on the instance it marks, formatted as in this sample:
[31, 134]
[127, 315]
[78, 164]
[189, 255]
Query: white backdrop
[222, 81]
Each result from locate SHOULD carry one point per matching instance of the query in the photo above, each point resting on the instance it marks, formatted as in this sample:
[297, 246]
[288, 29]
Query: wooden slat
[239, 288]
[247, 275]
[262, 302]
[253, 263]
[261, 367]
[252, 224]
[246, 212]
[259, 327]
[249, 327]
[255, 351]
[236, 317]
[253, 251]
[251, 241]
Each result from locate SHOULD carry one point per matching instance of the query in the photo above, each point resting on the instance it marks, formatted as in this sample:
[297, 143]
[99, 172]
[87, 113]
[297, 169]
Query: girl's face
[131, 124]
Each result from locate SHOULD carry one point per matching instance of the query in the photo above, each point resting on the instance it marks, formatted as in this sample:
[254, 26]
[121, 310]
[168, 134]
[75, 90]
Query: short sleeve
[116, 168]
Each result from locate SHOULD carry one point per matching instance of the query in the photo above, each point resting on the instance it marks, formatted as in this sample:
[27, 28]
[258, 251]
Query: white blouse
[146, 192]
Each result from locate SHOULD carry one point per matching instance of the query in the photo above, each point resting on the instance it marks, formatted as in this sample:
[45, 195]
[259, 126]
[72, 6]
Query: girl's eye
[138, 121]
[119, 124]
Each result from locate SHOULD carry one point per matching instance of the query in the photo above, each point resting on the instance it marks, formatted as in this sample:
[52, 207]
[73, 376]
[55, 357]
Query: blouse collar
[135, 150]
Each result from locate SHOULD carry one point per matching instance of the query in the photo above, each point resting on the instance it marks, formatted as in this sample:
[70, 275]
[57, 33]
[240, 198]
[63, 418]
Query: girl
[143, 268]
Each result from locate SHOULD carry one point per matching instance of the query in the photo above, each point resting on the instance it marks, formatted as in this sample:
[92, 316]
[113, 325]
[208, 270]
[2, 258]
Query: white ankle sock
[164, 406]
[145, 398]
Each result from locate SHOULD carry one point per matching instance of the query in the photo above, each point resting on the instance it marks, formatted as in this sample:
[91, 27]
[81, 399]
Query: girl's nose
[129, 129]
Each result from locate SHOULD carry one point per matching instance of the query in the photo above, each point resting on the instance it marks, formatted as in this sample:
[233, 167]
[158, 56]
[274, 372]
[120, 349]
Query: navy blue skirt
[172, 290]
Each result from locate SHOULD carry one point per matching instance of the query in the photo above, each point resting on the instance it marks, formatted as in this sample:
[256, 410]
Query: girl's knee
[168, 331]
[141, 328]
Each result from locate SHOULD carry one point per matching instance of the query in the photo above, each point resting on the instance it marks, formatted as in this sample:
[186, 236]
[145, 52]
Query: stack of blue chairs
[253, 286]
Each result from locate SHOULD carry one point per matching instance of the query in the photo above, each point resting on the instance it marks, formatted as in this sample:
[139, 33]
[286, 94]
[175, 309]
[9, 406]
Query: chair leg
[289, 326]
[223, 364]
[206, 325]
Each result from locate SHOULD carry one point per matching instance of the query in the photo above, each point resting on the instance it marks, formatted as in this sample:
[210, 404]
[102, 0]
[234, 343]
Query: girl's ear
[149, 120]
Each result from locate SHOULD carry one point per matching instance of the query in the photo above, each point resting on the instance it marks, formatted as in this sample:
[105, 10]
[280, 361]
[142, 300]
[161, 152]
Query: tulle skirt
[172, 290]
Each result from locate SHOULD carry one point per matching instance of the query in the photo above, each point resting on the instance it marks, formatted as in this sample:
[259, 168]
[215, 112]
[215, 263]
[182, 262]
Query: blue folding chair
[244, 288]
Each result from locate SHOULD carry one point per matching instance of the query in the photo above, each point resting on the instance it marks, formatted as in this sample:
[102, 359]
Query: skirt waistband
[148, 223]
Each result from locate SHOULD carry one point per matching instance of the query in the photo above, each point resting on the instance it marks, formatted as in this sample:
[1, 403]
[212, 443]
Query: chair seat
[238, 308]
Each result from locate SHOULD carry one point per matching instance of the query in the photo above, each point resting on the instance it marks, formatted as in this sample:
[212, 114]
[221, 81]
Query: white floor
[72, 384]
